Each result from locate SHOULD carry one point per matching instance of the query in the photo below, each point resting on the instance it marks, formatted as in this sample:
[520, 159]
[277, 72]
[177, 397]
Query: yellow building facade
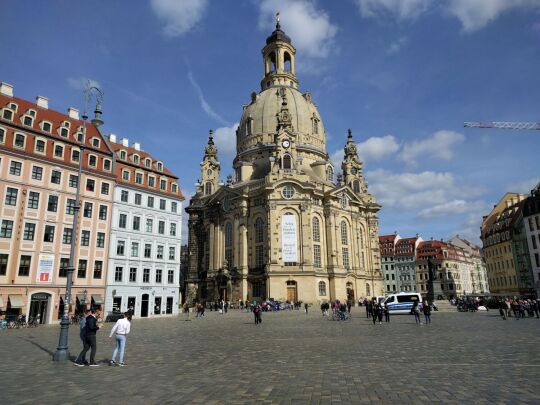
[284, 227]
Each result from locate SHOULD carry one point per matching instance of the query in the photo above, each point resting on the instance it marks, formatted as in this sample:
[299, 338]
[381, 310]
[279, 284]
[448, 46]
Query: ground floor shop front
[142, 302]
[46, 304]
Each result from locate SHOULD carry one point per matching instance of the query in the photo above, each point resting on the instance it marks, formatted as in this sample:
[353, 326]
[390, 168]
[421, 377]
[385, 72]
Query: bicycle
[340, 316]
[33, 322]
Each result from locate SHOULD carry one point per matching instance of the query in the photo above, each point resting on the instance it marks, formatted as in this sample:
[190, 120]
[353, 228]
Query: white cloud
[437, 146]
[451, 208]
[225, 139]
[402, 9]
[417, 191]
[309, 28]
[204, 104]
[396, 45]
[80, 83]
[523, 186]
[475, 14]
[180, 16]
[374, 148]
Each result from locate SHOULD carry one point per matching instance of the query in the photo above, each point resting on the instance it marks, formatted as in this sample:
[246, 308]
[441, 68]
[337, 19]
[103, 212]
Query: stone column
[244, 260]
[211, 249]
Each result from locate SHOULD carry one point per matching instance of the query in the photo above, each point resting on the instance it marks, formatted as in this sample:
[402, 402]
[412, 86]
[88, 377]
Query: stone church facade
[284, 227]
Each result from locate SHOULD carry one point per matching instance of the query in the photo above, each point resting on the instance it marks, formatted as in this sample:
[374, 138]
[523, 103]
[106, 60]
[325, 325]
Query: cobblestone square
[290, 358]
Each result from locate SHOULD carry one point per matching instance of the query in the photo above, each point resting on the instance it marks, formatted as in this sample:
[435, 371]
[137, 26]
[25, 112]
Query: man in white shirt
[121, 328]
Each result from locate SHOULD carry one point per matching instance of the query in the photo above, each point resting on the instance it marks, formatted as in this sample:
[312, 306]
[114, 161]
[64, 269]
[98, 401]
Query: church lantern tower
[352, 166]
[210, 168]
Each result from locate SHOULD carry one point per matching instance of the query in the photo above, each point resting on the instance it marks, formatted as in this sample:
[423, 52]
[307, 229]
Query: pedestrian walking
[386, 313]
[257, 313]
[536, 307]
[121, 329]
[502, 309]
[349, 305]
[306, 307]
[374, 313]
[89, 340]
[369, 309]
[416, 312]
[427, 312]
[82, 334]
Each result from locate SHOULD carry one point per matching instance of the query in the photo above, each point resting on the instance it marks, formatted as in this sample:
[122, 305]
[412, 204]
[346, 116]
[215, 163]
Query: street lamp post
[62, 351]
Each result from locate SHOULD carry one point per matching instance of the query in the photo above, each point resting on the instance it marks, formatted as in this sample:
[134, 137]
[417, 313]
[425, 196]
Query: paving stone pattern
[291, 358]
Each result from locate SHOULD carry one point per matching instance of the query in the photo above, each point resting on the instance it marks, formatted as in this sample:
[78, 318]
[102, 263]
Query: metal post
[62, 351]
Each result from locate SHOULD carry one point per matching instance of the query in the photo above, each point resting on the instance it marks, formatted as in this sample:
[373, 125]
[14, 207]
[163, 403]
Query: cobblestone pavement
[290, 358]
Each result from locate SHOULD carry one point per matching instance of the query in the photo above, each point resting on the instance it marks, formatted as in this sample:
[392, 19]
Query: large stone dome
[259, 121]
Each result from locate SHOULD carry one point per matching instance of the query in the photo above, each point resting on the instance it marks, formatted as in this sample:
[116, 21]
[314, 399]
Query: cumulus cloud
[204, 104]
[309, 27]
[225, 139]
[475, 14]
[402, 9]
[179, 16]
[80, 83]
[374, 148]
[453, 207]
[438, 146]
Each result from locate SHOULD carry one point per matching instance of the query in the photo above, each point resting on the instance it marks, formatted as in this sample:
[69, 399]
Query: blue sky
[403, 74]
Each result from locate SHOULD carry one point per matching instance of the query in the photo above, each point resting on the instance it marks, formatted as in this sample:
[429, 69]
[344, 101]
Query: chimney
[124, 142]
[136, 146]
[6, 89]
[112, 138]
[42, 102]
[73, 113]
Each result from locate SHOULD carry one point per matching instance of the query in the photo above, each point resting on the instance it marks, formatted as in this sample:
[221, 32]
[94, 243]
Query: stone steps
[444, 306]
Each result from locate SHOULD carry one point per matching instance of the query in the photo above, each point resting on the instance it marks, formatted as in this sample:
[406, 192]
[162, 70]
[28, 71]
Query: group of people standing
[419, 308]
[519, 308]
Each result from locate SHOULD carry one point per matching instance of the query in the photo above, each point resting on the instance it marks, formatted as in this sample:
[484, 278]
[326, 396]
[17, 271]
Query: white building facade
[145, 240]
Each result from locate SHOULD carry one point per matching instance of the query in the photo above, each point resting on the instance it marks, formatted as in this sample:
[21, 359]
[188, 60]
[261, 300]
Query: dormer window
[148, 162]
[7, 115]
[80, 137]
[151, 181]
[28, 120]
[92, 160]
[40, 146]
[75, 155]
[163, 184]
[19, 140]
[107, 165]
[46, 126]
[13, 107]
[123, 155]
[160, 166]
[136, 159]
[64, 129]
[125, 175]
[139, 178]
[174, 187]
[95, 142]
[32, 113]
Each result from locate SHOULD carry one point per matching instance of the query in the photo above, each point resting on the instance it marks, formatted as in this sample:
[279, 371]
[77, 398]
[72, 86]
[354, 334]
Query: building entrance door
[350, 292]
[144, 306]
[39, 305]
[292, 292]
[168, 308]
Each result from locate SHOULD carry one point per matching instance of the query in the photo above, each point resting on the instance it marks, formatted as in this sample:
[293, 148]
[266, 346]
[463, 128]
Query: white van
[402, 303]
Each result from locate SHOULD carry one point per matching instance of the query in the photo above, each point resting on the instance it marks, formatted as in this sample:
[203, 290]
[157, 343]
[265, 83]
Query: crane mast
[503, 125]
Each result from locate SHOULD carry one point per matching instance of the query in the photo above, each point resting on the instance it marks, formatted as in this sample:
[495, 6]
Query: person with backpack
[82, 335]
[90, 340]
[416, 312]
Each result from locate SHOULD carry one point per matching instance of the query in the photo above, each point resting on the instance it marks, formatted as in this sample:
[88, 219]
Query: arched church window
[330, 173]
[322, 288]
[287, 60]
[229, 244]
[272, 62]
[343, 201]
[259, 230]
[316, 230]
[356, 186]
[315, 121]
[249, 126]
[344, 233]
[208, 188]
[287, 162]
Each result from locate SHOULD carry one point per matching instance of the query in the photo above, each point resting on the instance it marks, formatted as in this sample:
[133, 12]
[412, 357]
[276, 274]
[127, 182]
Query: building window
[322, 288]
[107, 165]
[3, 264]
[160, 167]
[105, 188]
[133, 274]
[37, 173]
[64, 264]
[103, 212]
[125, 175]
[73, 180]
[259, 256]
[344, 236]
[330, 174]
[48, 235]
[151, 181]
[90, 185]
[229, 243]
[317, 256]
[345, 256]
[79, 136]
[163, 184]
[138, 178]
[75, 155]
[85, 238]
[150, 202]
[316, 230]
[356, 186]
[162, 204]
[148, 162]
[58, 151]
[81, 271]
[170, 277]
[100, 241]
[24, 265]
[33, 200]
[118, 274]
[92, 160]
[7, 115]
[19, 140]
[98, 269]
[70, 206]
[67, 235]
[11, 196]
[174, 206]
[138, 199]
[149, 225]
[88, 207]
[288, 191]
[259, 230]
[172, 254]
[2, 135]
[124, 195]
[56, 177]
[158, 276]
[40, 146]
[146, 276]
[160, 252]
[172, 230]
[161, 227]
[29, 231]
[134, 249]
[343, 201]
[15, 168]
[123, 155]
[28, 121]
[136, 159]
[120, 247]
[148, 250]
[52, 204]
[122, 221]
[95, 142]
[287, 162]
[174, 189]
[208, 188]
[136, 223]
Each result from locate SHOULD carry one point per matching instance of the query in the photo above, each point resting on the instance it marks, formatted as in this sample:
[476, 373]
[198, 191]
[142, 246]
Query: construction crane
[503, 125]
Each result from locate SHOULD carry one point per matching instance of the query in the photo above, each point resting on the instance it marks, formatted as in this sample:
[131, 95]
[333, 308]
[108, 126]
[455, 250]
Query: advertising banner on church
[45, 269]
[288, 238]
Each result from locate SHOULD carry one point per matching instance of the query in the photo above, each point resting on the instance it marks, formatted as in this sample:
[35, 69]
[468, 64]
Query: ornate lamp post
[62, 351]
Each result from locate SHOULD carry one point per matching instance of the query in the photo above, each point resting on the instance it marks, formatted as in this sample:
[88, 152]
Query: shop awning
[98, 299]
[16, 301]
[2, 305]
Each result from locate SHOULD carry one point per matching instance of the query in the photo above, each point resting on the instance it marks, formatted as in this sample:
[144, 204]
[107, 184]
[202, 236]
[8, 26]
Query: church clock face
[286, 143]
